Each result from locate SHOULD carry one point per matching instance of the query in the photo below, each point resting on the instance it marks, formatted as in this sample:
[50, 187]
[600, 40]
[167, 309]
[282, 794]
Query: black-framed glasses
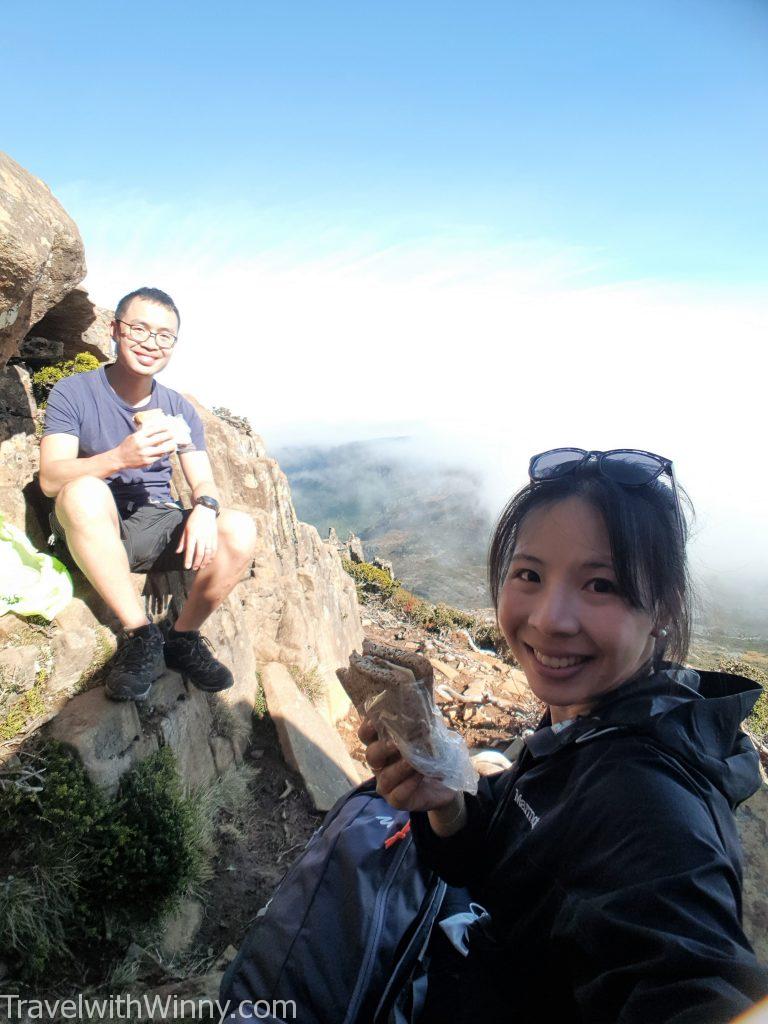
[630, 467]
[140, 333]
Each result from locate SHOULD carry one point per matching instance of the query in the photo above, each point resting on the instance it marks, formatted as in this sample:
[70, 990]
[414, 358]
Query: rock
[73, 653]
[41, 254]
[223, 753]
[752, 820]
[77, 325]
[516, 683]
[185, 724]
[107, 735]
[228, 955]
[450, 673]
[19, 450]
[310, 745]
[355, 548]
[295, 604]
[385, 566]
[40, 351]
[18, 668]
[475, 691]
[180, 929]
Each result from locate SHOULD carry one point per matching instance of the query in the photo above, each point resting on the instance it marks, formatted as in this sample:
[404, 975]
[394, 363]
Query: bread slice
[145, 416]
[406, 679]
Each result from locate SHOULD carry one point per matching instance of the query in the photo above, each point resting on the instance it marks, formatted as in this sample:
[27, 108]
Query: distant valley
[429, 518]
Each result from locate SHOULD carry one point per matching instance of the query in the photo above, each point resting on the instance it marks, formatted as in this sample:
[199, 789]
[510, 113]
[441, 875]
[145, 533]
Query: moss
[309, 682]
[89, 871]
[46, 377]
[28, 707]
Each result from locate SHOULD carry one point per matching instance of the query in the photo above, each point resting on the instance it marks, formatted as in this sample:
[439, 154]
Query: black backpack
[346, 932]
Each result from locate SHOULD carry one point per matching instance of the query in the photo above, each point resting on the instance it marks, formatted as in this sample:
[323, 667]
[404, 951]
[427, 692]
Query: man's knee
[237, 532]
[85, 501]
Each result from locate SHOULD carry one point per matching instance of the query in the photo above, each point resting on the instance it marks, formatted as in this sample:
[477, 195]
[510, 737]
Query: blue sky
[507, 226]
[634, 129]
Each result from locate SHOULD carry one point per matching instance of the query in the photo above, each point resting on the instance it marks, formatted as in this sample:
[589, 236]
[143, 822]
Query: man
[111, 482]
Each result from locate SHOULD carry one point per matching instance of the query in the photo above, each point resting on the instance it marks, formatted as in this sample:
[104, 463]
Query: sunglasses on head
[630, 467]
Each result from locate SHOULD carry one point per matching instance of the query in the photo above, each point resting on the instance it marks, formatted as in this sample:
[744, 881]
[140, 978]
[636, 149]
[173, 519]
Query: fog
[480, 351]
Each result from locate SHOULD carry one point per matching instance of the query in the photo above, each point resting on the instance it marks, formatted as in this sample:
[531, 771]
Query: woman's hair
[647, 545]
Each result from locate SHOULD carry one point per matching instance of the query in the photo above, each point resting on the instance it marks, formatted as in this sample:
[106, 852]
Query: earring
[661, 634]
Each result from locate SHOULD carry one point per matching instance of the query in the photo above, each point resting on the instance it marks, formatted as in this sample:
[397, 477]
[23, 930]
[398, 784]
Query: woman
[607, 857]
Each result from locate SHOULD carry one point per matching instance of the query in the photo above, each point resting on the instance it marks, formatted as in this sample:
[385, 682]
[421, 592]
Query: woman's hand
[397, 781]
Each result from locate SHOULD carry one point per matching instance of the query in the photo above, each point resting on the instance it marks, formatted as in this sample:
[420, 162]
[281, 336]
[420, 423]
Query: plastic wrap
[406, 715]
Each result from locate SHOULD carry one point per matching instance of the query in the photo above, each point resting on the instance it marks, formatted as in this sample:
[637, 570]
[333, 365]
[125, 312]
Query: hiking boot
[137, 664]
[191, 653]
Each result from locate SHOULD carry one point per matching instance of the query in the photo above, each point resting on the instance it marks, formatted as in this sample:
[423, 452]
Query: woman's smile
[557, 666]
[572, 631]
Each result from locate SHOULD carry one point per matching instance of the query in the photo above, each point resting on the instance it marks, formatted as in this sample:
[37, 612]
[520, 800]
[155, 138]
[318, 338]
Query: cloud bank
[484, 350]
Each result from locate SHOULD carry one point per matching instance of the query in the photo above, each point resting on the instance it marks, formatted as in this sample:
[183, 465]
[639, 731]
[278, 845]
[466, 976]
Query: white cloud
[490, 351]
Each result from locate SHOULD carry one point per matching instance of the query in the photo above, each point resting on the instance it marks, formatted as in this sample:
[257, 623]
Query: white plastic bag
[31, 583]
[406, 715]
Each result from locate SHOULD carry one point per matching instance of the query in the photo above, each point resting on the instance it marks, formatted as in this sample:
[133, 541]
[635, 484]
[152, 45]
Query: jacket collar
[696, 715]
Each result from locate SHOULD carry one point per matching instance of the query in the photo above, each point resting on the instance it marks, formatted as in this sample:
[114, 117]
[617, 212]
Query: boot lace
[134, 654]
[198, 651]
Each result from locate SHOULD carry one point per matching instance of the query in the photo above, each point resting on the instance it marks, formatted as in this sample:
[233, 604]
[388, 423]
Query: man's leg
[185, 649]
[87, 512]
[236, 544]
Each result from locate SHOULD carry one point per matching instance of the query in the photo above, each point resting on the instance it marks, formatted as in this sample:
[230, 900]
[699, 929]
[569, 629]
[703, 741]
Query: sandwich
[401, 682]
[145, 416]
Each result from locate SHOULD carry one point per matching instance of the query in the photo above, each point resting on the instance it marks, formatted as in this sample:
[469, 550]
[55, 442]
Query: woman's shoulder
[635, 786]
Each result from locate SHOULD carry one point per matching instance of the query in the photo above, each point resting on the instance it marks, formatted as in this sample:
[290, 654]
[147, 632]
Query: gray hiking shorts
[150, 535]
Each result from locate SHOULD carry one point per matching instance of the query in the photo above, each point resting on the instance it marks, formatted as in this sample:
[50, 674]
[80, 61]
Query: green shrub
[44, 379]
[444, 617]
[411, 607]
[85, 871]
[369, 579]
[153, 856]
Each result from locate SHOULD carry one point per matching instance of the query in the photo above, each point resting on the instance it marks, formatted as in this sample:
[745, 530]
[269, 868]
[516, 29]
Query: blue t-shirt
[86, 406]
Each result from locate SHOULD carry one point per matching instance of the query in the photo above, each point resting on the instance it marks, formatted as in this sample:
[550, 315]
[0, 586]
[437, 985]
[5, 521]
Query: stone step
[310, 745]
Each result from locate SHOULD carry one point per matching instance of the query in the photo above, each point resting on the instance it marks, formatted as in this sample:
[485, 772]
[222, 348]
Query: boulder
[181, 927]
[19, 449]
[41, 254]
[38, 351]
[106, 734]
[185, 725]
[355, 548]
[310, 745]
[73, 325]
[18, 668]
[385, 566]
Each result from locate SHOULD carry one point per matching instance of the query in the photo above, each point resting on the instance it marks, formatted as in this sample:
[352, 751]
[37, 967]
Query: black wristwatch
[208, 502]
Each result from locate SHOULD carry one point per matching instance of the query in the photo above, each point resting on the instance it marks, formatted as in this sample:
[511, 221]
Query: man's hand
[145, 446]
[199, 539]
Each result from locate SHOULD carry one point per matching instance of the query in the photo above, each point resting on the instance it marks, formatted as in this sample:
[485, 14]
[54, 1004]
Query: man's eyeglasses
[628, 466]
[140, 333]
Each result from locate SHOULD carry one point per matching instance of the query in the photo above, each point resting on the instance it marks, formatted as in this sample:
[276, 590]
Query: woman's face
[574, 635]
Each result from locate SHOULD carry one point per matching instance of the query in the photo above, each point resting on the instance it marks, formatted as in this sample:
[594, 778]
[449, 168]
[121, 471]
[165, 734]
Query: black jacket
[609, 862]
